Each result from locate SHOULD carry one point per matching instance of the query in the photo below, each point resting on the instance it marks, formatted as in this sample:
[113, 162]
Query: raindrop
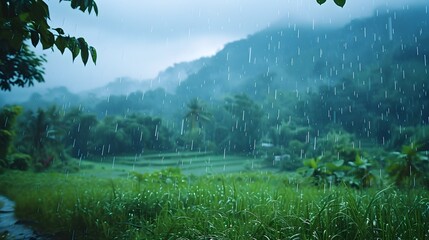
[156, 131]
[250, 55]
[390, 29]
[5, 123]
[315, 143]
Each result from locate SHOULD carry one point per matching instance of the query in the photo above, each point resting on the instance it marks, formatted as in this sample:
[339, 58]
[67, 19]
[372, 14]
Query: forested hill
[292, 57]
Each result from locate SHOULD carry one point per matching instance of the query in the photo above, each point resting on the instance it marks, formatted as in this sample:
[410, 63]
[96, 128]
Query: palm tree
[196, 114]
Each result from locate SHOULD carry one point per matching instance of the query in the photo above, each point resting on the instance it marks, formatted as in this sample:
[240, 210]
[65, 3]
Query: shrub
[409, 167]
[20, 161]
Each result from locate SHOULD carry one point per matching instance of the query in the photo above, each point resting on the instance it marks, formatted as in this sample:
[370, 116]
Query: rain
[215, 120]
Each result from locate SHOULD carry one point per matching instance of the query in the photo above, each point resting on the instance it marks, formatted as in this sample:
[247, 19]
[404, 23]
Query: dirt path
[11, 227]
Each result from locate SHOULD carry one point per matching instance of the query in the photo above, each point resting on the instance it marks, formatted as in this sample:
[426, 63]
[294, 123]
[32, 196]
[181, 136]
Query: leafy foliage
[20, 161]
[196, 114]
[195, 118]
[340, 3]
[8, 116]
[28, 21]
[325, 173]
[247, 119]
[361, 174]
[409, 167]
[20, 68]
[80, 129]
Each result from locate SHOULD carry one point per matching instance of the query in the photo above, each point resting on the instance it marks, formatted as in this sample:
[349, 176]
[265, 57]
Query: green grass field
[188, 162]
[111, 201]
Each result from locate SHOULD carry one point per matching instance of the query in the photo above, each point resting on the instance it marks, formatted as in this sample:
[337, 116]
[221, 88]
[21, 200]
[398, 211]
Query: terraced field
[197, 163]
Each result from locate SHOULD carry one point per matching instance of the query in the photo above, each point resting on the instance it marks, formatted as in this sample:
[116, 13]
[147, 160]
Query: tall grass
[169, 205]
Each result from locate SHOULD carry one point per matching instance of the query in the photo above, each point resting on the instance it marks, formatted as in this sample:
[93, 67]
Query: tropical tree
[8, 117]
[409, 167]
[41, 135]
[196, 114]
[246, 118]
[109, 137]
[79, 126]
[24, 21]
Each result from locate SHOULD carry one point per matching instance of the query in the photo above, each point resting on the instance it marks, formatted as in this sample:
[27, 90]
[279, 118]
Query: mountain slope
[297, 58]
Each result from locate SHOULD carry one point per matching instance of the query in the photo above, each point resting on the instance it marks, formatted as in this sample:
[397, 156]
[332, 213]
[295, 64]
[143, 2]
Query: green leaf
[95, 8]
[340, 3]
[74, 4]
[39, 12]
[313, 163]
[358, 160]
[321, 1]
[73, 46]
[309, 172]
[83, 6]
[24, 17]
[61, 43]
[59, 31]
[338, 163]
[34, 38]
[83, 50]
[47, 39]
[93, 54]
[339, 174]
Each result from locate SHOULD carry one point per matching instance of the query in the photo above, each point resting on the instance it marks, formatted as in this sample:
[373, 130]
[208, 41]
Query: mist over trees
[272, 94]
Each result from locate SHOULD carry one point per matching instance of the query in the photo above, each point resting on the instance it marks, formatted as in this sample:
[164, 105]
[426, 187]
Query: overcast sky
[139, 38]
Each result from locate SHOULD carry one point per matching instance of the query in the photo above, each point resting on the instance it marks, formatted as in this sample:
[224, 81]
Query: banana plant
[328, 172]
[408, 166]
[361, 174]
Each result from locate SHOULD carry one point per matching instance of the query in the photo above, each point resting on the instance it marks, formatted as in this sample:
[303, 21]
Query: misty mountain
[120, 86]
[61, 96]
[168, 79]
[284, 57]
[289, 57]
